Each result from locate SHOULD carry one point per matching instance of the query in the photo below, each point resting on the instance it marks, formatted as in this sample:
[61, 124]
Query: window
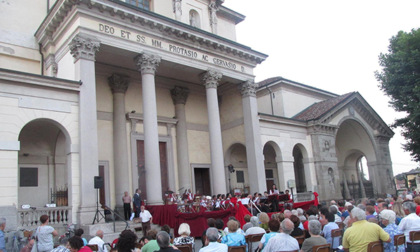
[269, 174]
[28, 177]
[240, 177]
[144, 4]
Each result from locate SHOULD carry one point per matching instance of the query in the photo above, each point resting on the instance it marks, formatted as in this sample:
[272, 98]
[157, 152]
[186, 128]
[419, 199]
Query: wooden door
[202, 181]
[270, 184]
[141, 169]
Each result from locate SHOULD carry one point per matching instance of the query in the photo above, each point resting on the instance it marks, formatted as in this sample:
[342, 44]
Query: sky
[329, 44]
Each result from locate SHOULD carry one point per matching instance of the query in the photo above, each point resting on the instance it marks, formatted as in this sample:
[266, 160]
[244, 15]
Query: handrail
[105, 207]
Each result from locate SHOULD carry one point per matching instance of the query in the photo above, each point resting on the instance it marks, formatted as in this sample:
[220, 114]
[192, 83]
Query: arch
[300, 156]
[236, 156]
[353, 142]
[272, 156]
[44, 147]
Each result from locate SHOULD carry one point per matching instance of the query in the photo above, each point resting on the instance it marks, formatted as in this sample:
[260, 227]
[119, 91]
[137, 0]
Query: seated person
[274, 226]
[233, 238]
[184, 238]
[316, 239]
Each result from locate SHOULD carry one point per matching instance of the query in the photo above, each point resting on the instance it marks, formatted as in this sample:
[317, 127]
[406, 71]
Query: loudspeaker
[99, 182]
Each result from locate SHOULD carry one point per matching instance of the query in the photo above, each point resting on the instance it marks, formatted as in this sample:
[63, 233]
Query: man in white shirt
[98, 241]
[211, 240]
[411, 222]
[146, 220]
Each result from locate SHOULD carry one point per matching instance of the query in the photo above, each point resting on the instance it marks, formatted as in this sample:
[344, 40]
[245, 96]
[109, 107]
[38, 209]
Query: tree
[400, 80]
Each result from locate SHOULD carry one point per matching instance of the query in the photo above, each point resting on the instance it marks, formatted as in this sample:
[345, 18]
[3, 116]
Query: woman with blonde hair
[399, 211]
[264, 219]
[184, 238]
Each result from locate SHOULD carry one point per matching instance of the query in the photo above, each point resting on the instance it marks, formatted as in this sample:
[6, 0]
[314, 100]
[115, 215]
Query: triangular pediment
[327, 111]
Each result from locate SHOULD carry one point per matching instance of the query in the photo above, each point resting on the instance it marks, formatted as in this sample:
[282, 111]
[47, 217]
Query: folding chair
[251, 239]
[93, 247]
[237, 248]
[414, 236]
[376, 246]
[399, 240]
[336, 233]
[322, 248]
[185, 247]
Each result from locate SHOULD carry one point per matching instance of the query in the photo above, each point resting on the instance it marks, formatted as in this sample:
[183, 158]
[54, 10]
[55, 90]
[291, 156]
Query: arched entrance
[43, 166]
[239, 178]
[299, 168]
[270, 165]
[355, 152]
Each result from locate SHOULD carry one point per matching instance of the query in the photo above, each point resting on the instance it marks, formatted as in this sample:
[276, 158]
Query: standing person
[146, 220]
[44, 234]
[274, 191]
[127, 208]
[137, 202]
[2, 241]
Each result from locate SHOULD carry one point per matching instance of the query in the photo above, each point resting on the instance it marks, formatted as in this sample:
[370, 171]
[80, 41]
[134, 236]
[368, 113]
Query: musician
[264, 203]
[275, 201]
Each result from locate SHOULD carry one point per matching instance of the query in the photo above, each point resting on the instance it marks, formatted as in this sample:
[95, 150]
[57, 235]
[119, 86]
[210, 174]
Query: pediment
[329, 112]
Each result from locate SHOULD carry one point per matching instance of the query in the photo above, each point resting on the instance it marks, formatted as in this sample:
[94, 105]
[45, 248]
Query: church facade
[158, 95]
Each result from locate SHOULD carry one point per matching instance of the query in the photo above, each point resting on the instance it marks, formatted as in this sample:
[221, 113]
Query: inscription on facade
[176, 49]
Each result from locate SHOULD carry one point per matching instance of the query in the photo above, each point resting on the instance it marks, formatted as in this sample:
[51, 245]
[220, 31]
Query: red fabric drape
[316, 203]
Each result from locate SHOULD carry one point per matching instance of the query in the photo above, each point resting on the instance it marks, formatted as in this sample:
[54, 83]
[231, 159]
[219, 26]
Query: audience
[126, 241]
[296, 231]
[98, 241]
[163, 240]
[331, 225]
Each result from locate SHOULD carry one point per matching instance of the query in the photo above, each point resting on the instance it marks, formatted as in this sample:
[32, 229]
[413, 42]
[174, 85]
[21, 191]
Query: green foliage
[400, 80]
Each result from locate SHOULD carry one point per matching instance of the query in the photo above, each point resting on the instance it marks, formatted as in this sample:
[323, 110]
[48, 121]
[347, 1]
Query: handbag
[35, 237]
[35, 246]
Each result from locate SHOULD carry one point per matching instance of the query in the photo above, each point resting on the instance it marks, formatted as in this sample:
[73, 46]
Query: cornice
[149, 21]
[39, 80]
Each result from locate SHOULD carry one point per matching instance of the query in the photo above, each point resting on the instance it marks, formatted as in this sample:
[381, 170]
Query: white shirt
[409, 223]
[215, 247]
[145, 216]
[98, 241]
[281, 242]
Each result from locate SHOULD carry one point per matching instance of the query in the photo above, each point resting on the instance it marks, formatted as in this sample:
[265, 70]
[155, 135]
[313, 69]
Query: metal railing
[116, 214]
[57, 216]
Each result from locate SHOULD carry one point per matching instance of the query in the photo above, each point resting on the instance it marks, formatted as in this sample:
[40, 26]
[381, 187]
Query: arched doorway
[299, 168]
[355, 154]
[238, 178]
[270, 165]
[43, 167]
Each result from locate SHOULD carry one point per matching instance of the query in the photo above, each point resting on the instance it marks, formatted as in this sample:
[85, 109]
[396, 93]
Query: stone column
[254, 151]
[84, 48]
[211, 81]
[147, 64]
[119, 84]
[179, 97]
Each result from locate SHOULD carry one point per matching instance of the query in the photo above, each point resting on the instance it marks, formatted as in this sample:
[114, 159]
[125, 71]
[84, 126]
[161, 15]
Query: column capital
[248, 88]
[180, 95]
[211, 78]
[147, 63]
[84, 47]
[118, 83]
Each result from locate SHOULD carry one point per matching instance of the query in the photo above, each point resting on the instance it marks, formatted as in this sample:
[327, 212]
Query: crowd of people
[289, 230]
